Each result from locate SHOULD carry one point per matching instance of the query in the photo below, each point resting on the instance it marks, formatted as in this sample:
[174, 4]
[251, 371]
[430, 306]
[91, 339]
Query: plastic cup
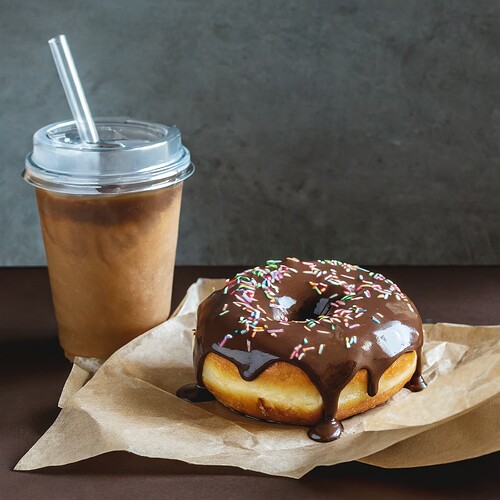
[109, 214]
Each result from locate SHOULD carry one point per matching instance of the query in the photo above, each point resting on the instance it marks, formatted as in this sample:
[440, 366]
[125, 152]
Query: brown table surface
[33, 371]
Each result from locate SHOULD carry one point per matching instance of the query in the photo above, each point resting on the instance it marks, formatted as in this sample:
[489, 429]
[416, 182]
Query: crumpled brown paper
[130, 404]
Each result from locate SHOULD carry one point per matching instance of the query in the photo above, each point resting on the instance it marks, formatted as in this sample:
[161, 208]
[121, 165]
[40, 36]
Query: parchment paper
[130, 404]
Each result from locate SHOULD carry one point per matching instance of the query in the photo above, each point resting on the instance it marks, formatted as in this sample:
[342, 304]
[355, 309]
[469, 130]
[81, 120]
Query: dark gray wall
[364, 131]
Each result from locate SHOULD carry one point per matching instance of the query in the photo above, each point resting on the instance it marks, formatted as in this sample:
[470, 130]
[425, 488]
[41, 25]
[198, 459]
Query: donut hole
[311, 308]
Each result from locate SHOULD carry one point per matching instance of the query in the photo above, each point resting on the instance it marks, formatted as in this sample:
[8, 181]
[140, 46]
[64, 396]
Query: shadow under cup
[109, 224]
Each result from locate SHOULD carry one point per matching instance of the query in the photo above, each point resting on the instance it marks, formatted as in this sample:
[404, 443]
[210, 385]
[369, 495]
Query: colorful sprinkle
[363, 269]
[295, 351]
[225, 339]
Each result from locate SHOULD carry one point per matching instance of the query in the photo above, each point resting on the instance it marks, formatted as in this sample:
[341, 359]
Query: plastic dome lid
[131, 156]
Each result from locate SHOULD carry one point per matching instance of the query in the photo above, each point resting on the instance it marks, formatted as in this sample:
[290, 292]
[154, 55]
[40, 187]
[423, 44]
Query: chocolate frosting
[329, 318]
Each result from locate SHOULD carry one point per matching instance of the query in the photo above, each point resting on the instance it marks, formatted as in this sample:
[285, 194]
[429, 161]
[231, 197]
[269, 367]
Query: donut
[306, 343]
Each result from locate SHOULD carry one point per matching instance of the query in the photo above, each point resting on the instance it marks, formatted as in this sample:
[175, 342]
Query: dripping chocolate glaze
[329, 318]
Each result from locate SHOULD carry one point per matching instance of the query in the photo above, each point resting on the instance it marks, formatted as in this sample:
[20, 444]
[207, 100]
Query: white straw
[73, 89]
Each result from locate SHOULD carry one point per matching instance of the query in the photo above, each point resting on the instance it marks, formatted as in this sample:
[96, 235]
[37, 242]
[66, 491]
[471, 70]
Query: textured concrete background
[363, 131]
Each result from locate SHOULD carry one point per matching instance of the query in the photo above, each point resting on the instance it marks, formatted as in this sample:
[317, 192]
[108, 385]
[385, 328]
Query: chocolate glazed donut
[326, 317]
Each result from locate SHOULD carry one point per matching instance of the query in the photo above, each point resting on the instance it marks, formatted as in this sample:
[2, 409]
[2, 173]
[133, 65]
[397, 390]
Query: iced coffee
[109, 216]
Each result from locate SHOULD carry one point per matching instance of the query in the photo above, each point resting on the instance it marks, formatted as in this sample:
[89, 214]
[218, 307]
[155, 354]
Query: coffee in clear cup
[109, 214]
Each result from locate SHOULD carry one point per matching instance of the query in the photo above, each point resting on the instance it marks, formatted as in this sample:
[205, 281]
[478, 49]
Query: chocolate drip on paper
[195, 393]
[417, 382]
[328, 318]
